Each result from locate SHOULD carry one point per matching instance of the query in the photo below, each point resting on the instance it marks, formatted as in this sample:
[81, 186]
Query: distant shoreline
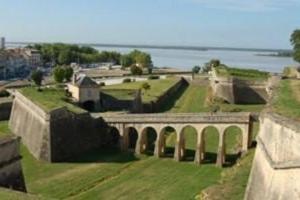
[168, 47]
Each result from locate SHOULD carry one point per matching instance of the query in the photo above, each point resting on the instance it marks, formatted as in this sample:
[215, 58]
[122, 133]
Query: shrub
[153, 77]
[126, 80]
[102, 84]
[4, 93]
[135, 70]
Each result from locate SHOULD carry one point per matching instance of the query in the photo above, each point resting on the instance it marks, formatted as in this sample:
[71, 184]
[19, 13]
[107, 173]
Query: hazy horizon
[265, 24]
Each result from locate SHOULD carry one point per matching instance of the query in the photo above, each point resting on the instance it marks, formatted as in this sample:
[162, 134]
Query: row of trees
[64, 54]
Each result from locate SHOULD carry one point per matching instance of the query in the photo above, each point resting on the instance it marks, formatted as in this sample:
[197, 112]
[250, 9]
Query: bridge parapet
[178, 118]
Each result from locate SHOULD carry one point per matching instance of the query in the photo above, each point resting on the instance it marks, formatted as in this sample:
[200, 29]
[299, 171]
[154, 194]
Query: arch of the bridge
[179, 146]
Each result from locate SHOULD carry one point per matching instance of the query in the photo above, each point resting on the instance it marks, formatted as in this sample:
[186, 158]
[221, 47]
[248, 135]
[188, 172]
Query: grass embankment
[247, 74]
[287, 101]
[114, 175]
[126, 91]
[4, 129]
[49, 99]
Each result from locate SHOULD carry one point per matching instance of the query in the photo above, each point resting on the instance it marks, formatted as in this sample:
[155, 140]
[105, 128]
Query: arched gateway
[159, 122]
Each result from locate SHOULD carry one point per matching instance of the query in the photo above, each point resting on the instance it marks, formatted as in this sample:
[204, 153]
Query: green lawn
[49, 99]
[246, 74]
[4, 130]
[127, 90]
[287, 101]
[112, 175]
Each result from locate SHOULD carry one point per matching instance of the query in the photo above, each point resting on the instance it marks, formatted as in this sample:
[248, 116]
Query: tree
[295, 41]
[196, 69]
[135, 70]
[37, 77]
[215, 63]
[59, 74]
[68, 73]
[146, 87]
[126, 61]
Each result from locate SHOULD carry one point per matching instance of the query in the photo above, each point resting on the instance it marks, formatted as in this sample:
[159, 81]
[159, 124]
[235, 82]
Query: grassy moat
[109, 174]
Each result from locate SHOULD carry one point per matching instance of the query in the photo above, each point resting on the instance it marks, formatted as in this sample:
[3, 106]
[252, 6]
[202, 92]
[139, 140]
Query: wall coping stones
[276, 165]
[282, 120]
[179, 117]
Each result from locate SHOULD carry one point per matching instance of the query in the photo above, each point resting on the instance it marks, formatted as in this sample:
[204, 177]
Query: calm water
[186, 59]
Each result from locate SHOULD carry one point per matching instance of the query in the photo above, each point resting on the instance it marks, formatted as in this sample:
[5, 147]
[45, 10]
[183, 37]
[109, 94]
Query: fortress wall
[11, 174]
[155, 106]
[275, 171]
[74, 134]
[31, 123]
[110, 103]
[239, 91]
[55, 136]
[5, 109]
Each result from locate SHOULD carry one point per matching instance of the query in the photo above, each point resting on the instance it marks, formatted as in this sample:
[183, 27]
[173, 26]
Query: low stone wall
[5, 108]
[59, 135]
[111, 103]
[11, 174]
[275, 171]
[155, 106]
[108, 102]
[238, 91]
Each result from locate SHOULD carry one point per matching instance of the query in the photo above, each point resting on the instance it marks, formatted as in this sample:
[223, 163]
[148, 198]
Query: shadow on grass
[172, 100]
[112, 155]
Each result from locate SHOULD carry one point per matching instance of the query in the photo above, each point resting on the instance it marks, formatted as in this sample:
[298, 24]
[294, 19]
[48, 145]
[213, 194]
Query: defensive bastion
[56, 135]
[238, 91]
[275, 172]
[11, 174]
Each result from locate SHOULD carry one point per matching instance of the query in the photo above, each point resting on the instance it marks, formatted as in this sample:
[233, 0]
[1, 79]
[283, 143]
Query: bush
[153, 77]
[4, 93]
[102, 84]
[135, 70]
[126, 80]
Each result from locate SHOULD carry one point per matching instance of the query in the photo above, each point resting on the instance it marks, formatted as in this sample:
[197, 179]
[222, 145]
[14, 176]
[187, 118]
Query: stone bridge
[159, 122]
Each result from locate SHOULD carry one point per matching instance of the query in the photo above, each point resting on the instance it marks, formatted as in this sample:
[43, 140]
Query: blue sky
[237, 23]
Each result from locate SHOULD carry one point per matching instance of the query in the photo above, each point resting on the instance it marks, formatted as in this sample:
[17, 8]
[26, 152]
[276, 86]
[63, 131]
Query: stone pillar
[221, 149]
[159, 145]
[200, 149]
[246, 139]
[139, 144]
[178, 148]
[124, 139]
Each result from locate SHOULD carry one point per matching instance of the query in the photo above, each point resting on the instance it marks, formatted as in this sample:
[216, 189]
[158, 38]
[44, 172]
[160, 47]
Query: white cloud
[249, 5]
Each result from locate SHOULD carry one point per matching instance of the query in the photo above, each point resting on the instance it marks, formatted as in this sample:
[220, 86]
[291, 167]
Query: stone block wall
[275, 171]
[238, 91]
[5, 108]
[110, 103]
[11, 174]
[59, 135]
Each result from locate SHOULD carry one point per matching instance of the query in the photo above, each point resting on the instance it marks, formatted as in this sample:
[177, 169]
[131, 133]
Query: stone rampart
[59, 135]
[275, 171]
[108, 102]
[235, 90]
[5, 108]
[155, 106]
[11, 174]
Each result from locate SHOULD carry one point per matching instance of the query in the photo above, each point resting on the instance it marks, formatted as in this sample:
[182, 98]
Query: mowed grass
[287, 101]
[4, 129]
[49, 98]
[127, 90]
[110, 174]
